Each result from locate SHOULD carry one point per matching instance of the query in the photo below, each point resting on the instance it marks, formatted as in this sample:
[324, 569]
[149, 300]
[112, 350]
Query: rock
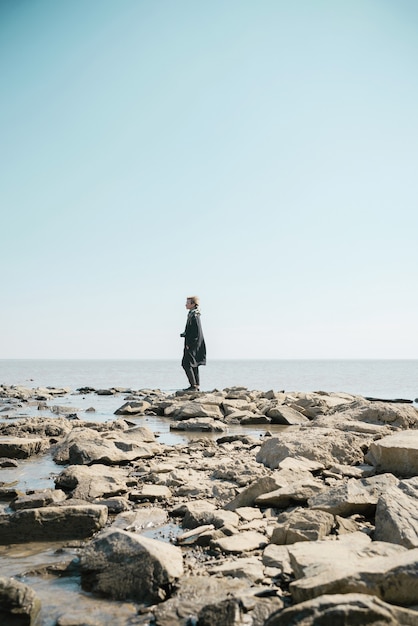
[325, 446]
[247, 496]
[390, 578]
[250, 568]
[52, 523]
[277, 557]
[123, 565]
[350, 609]
[19, 604]
[242, 542]
[37, 499]
[302, 525]
[143, 518]
[192, 409]
[151, 493]
[21, 448]
[397, 518]
[353, 496]
[397, 453]
[84, 446]
[8, 463]
[282, 414]
[133, 407]
[303, 487]
[199, 424]
[90, 482]
[398, 415]
[195, 593]
[248, 513]
[198, 513]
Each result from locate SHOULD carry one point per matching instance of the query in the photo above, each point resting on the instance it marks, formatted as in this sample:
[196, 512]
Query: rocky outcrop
[316, 512]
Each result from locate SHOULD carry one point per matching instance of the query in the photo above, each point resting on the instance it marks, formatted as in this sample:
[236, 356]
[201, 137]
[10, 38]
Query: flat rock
[286, 415]
[37, 499]
[21, 448]
[242, 542]
[52, 523]
[397, 453]
[302, 525]
[350, 609]
[90, 482]
[203, 424]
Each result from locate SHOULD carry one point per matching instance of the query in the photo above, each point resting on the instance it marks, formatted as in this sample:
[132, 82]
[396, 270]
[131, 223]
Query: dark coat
[194, 343]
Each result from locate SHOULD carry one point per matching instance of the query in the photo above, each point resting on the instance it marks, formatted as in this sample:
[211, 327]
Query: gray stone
[249, 494]
[21, 448]
[43, 497]
[123, 565]
[19, 604]
[349, 609]
[52, 523]
[202, 424]
[91, 482]
[133, 407]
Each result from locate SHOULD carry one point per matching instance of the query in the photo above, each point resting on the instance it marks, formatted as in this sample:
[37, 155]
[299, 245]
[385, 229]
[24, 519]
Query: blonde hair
[194, 300]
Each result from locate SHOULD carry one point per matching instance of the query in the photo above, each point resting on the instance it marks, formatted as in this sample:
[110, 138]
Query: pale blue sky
[262, 154]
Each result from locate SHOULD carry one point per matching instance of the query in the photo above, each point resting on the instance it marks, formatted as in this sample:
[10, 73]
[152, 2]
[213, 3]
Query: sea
[385, 379]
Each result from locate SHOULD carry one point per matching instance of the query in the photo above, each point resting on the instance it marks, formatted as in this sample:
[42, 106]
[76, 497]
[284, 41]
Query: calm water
[383, 378]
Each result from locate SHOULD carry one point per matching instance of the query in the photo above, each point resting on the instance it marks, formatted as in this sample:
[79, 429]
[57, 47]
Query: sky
[260, 154]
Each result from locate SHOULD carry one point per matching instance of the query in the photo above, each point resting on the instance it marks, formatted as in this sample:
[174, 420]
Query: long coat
[194, 342]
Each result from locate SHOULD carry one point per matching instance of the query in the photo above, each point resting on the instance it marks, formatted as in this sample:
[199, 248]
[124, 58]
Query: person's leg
[190, 371]
[196, 376]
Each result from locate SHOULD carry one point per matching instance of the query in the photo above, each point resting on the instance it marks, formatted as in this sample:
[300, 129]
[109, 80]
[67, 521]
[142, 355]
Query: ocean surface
[388, 379]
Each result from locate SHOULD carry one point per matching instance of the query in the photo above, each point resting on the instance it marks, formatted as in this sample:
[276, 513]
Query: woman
[194, 344]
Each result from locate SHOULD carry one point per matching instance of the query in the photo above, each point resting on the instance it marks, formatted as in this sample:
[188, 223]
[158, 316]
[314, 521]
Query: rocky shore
[313, 522]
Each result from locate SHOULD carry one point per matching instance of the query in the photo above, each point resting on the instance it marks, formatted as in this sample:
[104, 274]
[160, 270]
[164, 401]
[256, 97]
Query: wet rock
[21, 448]
[133, 408]
[37, 499]
[350, 609]
[187, 410]
[115, 505]
[196, 513]
[141, 519]
[201, 424]
[19, 605]
[397, 453]
[123, 565]
[90, 482]
[8, 463]
[52, 523]
[84, 446]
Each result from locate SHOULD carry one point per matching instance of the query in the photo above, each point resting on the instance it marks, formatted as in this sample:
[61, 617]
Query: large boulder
[121, 565]
[21, 448]
[396, 518]
[397, 453]
[380, 413]
[391, 578]
[85, 446]
[19, 605]
[90, 482]
[349, 609]
[323, 445]
[52, 523]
